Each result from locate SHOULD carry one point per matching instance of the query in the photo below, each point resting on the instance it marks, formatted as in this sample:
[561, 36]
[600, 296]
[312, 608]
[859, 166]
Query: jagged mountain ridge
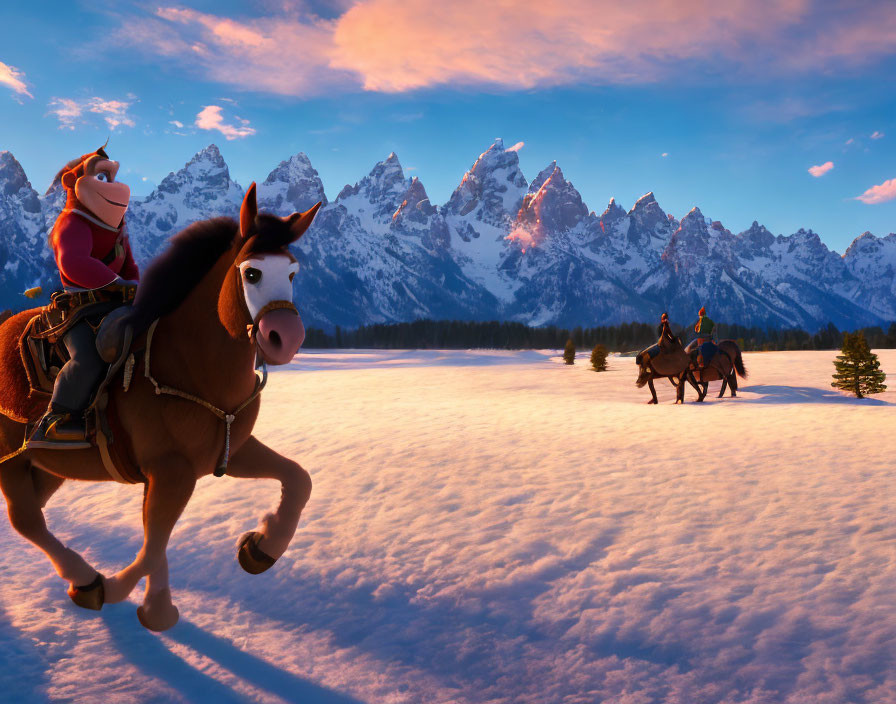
[499, 248]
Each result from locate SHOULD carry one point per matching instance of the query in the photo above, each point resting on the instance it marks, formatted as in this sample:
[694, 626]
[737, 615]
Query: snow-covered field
[499, 527]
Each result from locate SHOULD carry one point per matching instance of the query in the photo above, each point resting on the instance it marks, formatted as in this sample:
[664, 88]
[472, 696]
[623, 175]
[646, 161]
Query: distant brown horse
[727, 362]
[671, 362]
[224, 294]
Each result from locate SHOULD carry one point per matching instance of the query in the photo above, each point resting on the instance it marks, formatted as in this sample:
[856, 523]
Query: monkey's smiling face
[98, 190]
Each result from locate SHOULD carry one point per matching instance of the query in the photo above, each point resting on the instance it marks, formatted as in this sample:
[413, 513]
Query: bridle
[268, 307]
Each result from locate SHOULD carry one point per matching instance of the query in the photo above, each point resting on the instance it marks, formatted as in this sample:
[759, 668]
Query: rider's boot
[700, 361]
[59, 428]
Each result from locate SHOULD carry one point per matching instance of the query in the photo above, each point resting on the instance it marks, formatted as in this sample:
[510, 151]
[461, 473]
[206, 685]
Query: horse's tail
[643, 377]
[739, 365]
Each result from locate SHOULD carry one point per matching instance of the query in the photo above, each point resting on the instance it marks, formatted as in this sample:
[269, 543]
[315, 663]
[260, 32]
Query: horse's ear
[248, 211]
[299, 222]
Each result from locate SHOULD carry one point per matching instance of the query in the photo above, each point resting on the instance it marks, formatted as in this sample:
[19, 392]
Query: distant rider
[705, 329]
[664, 332]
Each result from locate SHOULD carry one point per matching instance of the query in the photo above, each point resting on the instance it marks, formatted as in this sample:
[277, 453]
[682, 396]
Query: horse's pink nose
[280, 334]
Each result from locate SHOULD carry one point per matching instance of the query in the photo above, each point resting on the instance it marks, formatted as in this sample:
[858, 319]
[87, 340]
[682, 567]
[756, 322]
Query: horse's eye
[253, 275]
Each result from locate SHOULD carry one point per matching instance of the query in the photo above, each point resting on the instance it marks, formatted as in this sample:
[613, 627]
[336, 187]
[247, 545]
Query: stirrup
[58, 431]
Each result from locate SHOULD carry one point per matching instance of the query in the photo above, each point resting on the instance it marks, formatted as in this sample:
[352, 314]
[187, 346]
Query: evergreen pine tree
[599, 358]
[569, 352]
[858, 370]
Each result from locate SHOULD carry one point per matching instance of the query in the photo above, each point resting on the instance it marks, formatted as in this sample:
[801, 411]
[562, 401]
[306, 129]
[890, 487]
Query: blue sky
[724, 108]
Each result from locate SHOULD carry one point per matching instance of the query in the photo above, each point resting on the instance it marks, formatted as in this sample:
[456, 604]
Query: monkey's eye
[102, 176]
[252, 275]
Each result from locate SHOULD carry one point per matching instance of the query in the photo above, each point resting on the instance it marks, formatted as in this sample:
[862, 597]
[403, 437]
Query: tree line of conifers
[626, 337]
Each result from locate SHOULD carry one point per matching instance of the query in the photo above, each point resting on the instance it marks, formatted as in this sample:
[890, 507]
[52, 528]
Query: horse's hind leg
[259, 550]
[732, 383]
[653, 399]
[169, 487]
[724, 386]
[27, 491]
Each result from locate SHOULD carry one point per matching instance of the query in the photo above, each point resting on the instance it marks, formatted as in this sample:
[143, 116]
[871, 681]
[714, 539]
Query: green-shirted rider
[705, 329]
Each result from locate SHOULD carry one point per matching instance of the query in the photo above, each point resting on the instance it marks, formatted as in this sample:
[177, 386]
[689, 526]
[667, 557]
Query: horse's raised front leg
[169, 487]
[254, 460]
[27, 490]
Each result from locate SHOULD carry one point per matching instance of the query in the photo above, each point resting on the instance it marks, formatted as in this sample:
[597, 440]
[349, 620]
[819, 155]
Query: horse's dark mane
[172, 275]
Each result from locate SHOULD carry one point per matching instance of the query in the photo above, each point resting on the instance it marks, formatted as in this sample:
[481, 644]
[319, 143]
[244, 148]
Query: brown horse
[670, 363]
[727, 362]
[222, 294]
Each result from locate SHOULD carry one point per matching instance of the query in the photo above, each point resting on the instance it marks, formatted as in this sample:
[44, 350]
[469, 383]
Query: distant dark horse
[671, 362]
[722, 366]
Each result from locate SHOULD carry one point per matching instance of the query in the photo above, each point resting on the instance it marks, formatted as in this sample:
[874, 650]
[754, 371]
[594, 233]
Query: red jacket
[89, 253]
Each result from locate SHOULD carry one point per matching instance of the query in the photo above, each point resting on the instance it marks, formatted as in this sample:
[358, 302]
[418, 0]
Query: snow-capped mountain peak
[492, 190]
[294, 185]
[25, 258]
[201, 189]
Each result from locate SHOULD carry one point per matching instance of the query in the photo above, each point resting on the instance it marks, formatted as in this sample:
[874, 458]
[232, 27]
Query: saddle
[43, 354]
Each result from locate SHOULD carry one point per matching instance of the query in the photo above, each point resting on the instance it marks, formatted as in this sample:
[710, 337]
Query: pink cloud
[284, 55]
[877, 134]
[115, 112]
[879, 194]
[401, 45]
[822, 169]
[69, 111]
[210, 118]
[13, 78]
[516, 147]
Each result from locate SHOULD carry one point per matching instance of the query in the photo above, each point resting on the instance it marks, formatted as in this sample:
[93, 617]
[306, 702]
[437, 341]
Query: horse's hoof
[91, 596]
[158, 613]
[251, 557]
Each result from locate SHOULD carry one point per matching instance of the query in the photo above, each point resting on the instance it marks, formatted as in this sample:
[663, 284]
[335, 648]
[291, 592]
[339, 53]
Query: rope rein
[228, 418]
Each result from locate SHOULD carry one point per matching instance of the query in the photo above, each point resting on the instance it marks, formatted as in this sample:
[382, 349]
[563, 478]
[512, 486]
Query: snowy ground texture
[498, 527]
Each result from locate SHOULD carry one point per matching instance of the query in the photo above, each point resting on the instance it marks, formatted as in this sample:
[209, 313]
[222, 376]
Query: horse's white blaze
[275, 283]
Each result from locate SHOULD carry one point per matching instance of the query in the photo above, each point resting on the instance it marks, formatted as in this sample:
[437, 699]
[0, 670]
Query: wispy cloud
[401, 45]
[114, 112]
[67, 111]
[176, 123]
[877, 134]
[71, 112]
[210, 118]
[821, 169]
[879, 194]
[516, 147]
[11, 77]
[664, 154]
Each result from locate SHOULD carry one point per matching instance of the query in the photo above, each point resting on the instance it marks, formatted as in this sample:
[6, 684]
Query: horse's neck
[194, 349]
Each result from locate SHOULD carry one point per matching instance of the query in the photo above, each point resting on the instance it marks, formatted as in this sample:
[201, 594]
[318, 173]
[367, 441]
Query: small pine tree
[858, 370]
[569, 352]
[599, 358]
